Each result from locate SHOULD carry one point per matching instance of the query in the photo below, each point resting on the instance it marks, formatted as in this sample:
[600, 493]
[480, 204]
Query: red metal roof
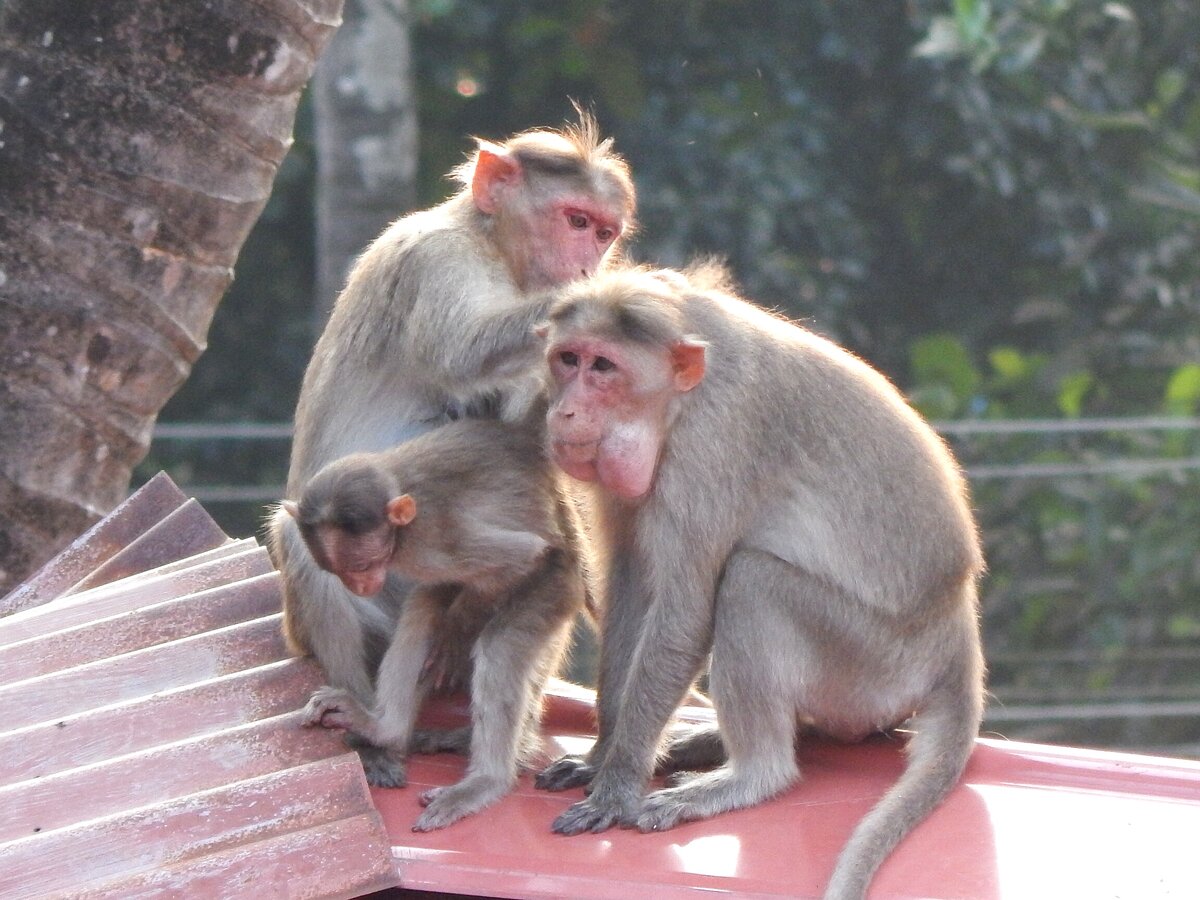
[151, 746]
[151, 742]
[1028, 821]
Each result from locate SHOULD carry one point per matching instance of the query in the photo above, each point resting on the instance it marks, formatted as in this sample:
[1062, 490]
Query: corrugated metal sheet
[151, 742]
[150, 747]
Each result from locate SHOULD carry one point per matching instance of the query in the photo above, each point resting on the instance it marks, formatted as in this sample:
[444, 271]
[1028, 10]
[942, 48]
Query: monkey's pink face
[570, 239]
[360, 561]
[608, 412]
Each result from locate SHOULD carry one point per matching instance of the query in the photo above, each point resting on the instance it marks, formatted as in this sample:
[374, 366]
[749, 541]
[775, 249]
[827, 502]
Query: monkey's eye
[605, 235]
[603, 364]
[569, 359]
[577, 221]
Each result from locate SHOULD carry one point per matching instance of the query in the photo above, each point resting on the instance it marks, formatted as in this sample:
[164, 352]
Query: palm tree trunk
[366, 134]
[138, 144]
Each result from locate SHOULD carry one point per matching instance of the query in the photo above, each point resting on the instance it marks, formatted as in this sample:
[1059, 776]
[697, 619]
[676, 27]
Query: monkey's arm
[490, 558]
[471, 333]
[624, 609]
[674, 641]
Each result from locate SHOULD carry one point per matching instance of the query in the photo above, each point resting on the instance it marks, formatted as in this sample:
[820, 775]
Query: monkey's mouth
[575, 451]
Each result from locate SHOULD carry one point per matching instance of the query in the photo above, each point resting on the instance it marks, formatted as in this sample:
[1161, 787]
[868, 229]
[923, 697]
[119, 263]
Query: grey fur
[434, 322]
[807, 529]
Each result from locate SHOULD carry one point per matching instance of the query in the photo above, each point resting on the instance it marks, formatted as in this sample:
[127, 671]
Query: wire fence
[1140, 697]
[1112, 467]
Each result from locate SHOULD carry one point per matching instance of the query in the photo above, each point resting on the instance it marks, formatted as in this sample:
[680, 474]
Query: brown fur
[498, 566]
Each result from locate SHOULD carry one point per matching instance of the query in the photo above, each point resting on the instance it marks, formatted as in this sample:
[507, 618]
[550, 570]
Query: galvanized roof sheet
[150, 738]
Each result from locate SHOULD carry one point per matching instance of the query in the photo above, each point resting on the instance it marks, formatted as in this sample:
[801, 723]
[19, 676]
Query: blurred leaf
[1183, 391]
[935, 401]
[1169, 86]
[942, 359]
[972, 18]
[1010, 364]
[944, 40]
[1183, 628]
[1072, 390]
[1168, 195]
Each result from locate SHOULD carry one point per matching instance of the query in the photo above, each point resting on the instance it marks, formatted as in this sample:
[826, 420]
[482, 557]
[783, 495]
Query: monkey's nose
[367, 585]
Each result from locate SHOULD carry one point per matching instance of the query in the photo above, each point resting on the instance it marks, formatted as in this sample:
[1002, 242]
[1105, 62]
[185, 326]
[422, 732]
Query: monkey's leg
[672, 646]
[751, 655]
[398, 693]
[943, 736]
[622, 623]
[508, 658]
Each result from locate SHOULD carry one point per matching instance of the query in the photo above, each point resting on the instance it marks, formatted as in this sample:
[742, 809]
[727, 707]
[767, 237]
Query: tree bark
[366, 135]
[138, 144]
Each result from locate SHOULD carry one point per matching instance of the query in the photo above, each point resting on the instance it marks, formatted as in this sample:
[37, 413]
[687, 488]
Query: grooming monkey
[472, 513]
[435, 321]
[768, 498]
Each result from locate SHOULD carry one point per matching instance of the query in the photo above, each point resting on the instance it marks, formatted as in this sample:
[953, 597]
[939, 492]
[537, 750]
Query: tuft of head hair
[577, 152]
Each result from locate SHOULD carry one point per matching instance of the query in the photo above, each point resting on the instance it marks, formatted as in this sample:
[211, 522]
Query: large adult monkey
[768, 497]
[435, 320]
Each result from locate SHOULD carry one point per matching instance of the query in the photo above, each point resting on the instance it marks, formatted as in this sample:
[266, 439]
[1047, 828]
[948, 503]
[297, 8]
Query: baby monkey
[473, 513]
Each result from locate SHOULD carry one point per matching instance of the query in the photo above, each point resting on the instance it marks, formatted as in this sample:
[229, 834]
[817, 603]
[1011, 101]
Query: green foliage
[996, 201]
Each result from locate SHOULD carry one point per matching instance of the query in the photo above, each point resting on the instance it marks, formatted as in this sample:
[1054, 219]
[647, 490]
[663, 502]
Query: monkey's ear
[291, 508]
[541, 329]
[688, 362]
[494, 168]
[401, 510]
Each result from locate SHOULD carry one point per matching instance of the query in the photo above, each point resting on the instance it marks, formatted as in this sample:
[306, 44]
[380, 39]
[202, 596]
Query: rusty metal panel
[156, 586]
[182, 533]
[144, 508]
[151, 742]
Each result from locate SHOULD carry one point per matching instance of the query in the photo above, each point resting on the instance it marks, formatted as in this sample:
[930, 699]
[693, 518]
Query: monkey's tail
[938, 750]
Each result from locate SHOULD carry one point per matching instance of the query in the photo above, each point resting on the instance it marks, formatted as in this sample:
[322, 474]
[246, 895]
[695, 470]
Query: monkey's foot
[667, 808]
[564, 773]
[381, 766]
[706, 794]
[599, 812]
[446, 805]
[441, 740]
[331, 707]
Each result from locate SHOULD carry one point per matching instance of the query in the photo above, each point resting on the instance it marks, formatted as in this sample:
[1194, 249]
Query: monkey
[769, 503]
[474, 514]
[435, 322]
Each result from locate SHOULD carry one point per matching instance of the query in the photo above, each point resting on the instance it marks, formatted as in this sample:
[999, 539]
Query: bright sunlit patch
[716, 854]
[1137, 846]
[466, 86]
[565, 744]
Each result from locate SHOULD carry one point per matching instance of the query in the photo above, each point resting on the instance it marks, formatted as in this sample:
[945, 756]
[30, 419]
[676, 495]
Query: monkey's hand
[331, 707]
[612, 804]
[564, 773]
[447, 667]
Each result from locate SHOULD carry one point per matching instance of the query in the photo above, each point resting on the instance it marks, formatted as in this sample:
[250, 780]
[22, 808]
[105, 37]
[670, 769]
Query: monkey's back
[370, 383]
[849, 479]
[483, 465]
